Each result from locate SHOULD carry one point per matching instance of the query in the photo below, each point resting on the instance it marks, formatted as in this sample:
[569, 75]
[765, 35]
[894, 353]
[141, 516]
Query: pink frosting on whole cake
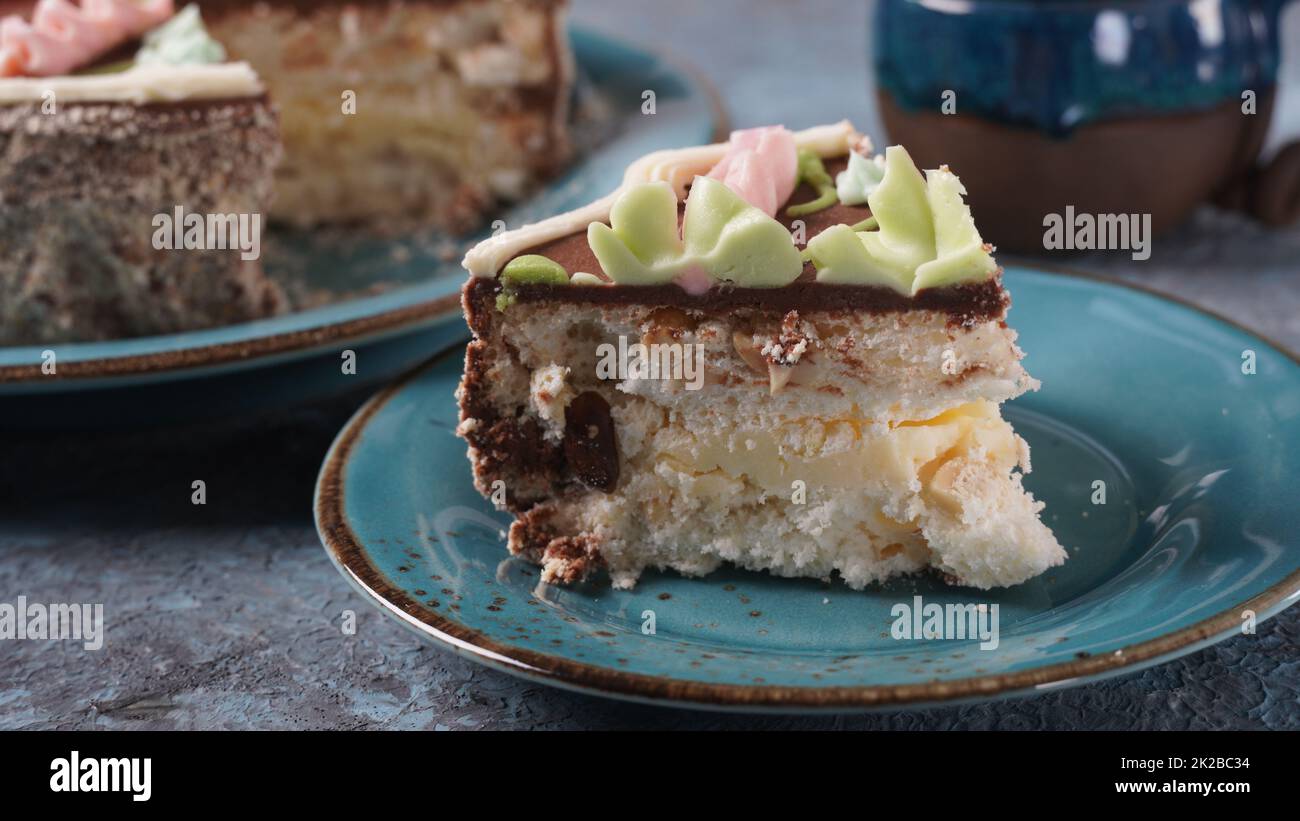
[761, 166]
[63, 36]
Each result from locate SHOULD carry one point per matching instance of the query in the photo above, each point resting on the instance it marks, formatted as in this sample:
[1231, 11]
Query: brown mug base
[1162, 165]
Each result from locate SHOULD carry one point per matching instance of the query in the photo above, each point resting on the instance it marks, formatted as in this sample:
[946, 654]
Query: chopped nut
[748, 351]
[665, 325]
[943, 485]
[778, 376]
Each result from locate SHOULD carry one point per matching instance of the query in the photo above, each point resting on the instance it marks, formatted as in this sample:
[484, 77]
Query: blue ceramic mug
[1109, 106]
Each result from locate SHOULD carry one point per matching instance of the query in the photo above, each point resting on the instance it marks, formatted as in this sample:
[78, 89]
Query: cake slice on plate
[780, 352]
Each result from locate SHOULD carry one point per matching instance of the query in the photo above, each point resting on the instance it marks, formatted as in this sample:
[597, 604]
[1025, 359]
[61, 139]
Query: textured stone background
[225, 616]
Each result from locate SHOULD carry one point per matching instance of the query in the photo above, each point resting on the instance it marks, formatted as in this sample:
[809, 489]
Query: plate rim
[260, 348]
[255, 349]
[348, 554]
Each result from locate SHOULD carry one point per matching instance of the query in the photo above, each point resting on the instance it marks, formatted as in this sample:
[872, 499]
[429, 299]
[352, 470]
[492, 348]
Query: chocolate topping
[965, 303]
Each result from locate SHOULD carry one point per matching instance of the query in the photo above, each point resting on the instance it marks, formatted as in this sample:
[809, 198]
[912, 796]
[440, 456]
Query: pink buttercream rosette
[761, 165]
[63, 36]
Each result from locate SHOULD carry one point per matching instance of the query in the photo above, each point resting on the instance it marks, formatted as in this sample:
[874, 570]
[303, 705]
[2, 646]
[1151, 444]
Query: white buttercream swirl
[142, 84]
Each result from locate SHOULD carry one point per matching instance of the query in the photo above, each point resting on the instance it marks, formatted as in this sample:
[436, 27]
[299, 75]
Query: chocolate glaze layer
[965, 304]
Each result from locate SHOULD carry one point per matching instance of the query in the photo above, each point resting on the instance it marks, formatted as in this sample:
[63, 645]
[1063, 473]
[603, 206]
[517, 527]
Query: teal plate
[1196, 539]
[296, 357]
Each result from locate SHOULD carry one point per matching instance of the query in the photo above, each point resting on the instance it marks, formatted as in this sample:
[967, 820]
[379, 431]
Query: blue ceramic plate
[1197, 536]
[296, 357]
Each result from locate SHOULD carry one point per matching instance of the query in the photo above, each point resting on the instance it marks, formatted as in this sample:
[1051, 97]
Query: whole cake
[144, 146]
[782, 352]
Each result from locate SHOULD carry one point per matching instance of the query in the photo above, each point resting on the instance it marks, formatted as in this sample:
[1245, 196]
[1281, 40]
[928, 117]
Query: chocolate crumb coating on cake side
[79, 189]
[507, 445]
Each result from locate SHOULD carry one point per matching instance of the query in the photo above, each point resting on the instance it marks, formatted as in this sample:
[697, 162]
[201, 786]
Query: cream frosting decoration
[761, 165]
[142, 84]
[181, 41]
[63, 36]
[677, 167]
[722, 239]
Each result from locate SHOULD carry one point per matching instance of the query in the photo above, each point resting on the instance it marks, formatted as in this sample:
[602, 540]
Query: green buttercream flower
[640, 246]
[926, 236]
[529, 269]
[180, 41]
[722, 235]
[534, 269]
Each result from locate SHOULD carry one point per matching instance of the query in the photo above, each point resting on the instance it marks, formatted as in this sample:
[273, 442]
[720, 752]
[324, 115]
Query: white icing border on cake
[141, 84]
[677, 167]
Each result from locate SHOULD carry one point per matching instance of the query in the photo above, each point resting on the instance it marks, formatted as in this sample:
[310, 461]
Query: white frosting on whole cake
[141, 84]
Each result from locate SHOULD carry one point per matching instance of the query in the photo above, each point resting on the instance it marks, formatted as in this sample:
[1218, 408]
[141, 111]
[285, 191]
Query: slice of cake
[135, 169]
[781, 352]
